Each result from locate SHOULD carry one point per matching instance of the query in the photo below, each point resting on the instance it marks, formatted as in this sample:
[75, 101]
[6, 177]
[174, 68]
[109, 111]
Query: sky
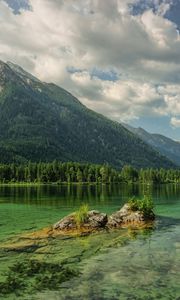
[120, 58]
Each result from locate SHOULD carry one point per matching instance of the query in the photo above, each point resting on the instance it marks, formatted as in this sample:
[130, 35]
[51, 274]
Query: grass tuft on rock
[81, 215]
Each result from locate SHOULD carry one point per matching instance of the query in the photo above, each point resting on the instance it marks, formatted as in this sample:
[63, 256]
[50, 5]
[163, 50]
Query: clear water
[121, 264]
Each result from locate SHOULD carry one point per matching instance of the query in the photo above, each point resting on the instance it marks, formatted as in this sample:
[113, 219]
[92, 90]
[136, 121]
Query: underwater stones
[30, 276]
[93, 220]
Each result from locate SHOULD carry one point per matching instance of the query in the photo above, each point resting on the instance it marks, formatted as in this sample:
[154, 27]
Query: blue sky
[17, 5]
[120, 57]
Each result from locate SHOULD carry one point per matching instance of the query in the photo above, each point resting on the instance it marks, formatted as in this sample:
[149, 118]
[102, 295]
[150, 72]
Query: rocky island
[135, 213]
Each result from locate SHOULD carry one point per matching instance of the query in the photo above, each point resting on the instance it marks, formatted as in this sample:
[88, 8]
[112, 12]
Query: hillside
[163, 144]
[42, 122]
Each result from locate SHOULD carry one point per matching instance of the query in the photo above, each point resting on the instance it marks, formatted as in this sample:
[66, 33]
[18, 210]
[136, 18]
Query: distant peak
[13, 66]
[21, 72]
[6, 73]
[3, 65]
[141, 129]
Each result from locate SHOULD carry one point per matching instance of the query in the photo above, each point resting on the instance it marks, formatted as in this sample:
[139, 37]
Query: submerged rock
[126, 216]
[93, 220]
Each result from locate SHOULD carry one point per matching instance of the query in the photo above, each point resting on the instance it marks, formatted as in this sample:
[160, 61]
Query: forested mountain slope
[42, 122]
[163, 144]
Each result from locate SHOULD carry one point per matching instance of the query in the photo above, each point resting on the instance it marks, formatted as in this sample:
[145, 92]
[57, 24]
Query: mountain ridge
[41, 122]
[165, 145]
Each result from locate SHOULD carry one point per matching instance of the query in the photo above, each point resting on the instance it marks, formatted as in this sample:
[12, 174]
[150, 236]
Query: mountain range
[163, 144]
[41, 122]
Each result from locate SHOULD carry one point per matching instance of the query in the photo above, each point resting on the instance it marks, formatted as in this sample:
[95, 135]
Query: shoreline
[84, 183]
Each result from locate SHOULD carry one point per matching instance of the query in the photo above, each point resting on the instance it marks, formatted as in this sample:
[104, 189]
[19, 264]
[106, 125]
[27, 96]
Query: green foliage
[133, 204]
[144, 205]
[81, 215]
[129, 174]
[72, 172]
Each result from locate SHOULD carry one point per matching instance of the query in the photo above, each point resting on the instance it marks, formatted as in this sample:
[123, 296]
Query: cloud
[78, 44]
[175, 122]
[123, 100]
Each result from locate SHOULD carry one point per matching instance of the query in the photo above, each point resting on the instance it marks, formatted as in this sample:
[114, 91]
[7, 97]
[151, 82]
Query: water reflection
[92, 194]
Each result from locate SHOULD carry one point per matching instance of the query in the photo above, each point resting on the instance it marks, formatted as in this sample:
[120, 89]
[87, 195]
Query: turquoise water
[121, 264]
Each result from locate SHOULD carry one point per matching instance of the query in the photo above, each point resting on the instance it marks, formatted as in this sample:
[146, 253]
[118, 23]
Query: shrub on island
[145, 205]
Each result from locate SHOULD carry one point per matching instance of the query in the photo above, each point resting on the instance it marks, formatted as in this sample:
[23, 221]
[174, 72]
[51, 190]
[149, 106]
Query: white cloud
[175, 122]
[144, 51]
[122, 100]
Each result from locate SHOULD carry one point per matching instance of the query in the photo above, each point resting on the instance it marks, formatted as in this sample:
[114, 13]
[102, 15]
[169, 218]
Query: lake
[121, 264]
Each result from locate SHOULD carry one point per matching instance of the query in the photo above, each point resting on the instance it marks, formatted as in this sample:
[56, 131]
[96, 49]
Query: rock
[67, 223]
[94, 220]
[126, 216]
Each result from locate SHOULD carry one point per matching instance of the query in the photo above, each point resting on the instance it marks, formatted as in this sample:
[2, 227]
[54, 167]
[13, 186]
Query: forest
[71, 172]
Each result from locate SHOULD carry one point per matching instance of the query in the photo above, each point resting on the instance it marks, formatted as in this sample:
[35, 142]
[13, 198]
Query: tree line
[71, 172]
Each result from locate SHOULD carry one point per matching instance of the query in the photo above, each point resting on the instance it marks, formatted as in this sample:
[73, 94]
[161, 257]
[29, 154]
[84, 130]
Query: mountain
[42, 122]
[163, 144]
